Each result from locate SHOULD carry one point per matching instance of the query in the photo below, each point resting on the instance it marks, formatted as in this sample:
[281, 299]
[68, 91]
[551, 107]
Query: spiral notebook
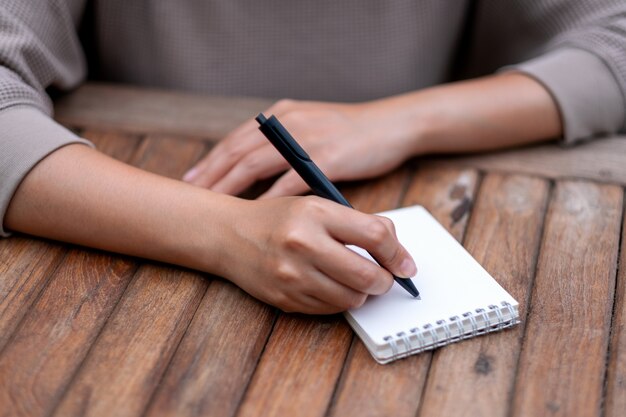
[459, 299]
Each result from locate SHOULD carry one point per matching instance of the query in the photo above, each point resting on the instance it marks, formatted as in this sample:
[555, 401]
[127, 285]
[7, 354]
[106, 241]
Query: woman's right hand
[290, 252]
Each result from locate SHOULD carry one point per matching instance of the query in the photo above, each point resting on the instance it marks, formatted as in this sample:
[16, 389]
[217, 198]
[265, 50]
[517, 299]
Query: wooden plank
[369, 389]
[126, 362]
[155, 111]
[378, 195]
[304, 355]
[504, 236]
[562, 364]
[299, 368]
[26, 263]
[601, 160]
[616, 377]
[55, 335]
[119, 146]
[448, 194]
[141, 336]
[67, 317]
[168, 156]
[217, 356]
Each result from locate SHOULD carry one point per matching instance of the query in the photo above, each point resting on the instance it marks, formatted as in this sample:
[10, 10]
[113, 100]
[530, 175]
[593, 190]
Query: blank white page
[449, 280]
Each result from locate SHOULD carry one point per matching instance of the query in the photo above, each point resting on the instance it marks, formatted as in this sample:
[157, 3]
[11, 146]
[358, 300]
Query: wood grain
[154, 111]
[55, 335]
[447, 193]
[616, 375]
[214, 362]
[57, 330]
[504, 236]
[304, 356]
[119, 146]
[367, 388]
[167, 155]
[602, 160]
[25, 265]
[127, 361]
[299, 367]
[562, 365]
[378, 195]
[138, 323]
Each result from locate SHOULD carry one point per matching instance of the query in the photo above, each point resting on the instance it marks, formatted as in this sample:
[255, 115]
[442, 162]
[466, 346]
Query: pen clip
[283, 135]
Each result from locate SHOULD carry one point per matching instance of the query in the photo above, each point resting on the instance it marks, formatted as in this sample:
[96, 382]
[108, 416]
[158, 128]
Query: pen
[282, 140]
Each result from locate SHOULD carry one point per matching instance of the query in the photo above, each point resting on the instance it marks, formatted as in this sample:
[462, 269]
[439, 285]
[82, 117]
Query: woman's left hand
[346, 141]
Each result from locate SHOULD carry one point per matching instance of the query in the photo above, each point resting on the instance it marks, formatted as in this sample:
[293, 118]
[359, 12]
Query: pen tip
[408, 285]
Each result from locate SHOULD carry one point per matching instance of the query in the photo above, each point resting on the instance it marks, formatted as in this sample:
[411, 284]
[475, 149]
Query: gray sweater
[342, 50]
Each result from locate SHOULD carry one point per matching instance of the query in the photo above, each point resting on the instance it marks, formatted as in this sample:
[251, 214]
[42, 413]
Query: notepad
[460, 299]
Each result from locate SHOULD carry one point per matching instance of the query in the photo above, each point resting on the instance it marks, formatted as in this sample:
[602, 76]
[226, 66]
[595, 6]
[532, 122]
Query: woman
[561, 72]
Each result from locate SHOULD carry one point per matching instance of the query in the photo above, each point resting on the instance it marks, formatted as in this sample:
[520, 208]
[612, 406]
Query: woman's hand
[347, 142]
[287, 251]
[290, 252]
[358, 141]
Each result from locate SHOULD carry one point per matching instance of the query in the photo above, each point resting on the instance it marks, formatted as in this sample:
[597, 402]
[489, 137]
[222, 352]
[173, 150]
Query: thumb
[390, 253]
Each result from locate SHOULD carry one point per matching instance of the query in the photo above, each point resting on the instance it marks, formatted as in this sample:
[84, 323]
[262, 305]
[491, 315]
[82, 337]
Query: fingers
[226, 154]
[312, 291]
[261, 163]
[232, 149]
[330, 291]
[313, 305]
[289, 184]
[352, 270]
[376, 235]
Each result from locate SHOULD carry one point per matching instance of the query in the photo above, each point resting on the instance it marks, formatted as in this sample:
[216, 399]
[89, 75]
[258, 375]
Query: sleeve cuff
[584, 88]
[26, 137]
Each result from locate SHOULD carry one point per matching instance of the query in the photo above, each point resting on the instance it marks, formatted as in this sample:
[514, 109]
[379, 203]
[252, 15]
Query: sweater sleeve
[39, 49]
[575, 49]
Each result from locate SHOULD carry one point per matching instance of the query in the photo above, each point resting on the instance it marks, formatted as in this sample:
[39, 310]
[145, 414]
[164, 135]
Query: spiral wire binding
[452, 334]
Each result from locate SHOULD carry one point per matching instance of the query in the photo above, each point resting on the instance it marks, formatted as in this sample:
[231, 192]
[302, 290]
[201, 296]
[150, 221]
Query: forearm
[289, 252]
[493, 112]
[81, 196]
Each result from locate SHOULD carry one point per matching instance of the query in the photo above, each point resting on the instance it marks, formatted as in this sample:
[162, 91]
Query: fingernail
[190, 175]
[408, 269]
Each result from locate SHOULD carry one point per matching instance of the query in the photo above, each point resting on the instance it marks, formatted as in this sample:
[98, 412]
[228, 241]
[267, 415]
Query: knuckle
[331, 159]
[283, 104]
[388, 282]
[388, 224]
[229, 150]
[355, 301]
[311, 206]
[286, 273]
[251, 163]
[377, 232]
[296, 116]
[397, 256]
[368, 277]
[296, 240]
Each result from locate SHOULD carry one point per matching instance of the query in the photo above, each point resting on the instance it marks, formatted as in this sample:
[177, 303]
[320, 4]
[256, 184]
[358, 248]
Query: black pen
[310, 173]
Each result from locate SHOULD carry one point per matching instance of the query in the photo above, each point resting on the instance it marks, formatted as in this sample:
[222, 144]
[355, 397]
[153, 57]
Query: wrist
[202, 233]
[404, 121]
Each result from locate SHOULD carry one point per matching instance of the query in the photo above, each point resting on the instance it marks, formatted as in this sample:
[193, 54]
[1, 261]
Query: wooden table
[84, 332]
